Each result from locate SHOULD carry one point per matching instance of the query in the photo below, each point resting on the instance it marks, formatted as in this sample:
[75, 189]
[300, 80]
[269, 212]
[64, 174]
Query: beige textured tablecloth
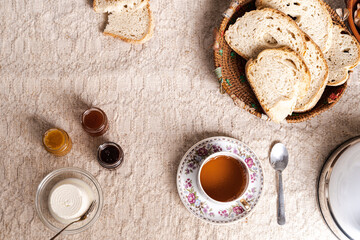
[161, 98]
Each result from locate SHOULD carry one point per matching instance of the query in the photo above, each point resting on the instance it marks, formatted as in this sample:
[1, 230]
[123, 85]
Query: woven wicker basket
[230, 70]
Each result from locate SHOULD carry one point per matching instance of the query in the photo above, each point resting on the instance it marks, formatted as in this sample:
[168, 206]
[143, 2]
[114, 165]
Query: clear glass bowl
[42, 195]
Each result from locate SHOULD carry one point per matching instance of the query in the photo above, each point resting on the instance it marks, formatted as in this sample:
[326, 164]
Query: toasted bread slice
[311, 16]
[276, 76]
[263, 29]
[102, 6]
[318, 69]
[131, 26]
[343, 55]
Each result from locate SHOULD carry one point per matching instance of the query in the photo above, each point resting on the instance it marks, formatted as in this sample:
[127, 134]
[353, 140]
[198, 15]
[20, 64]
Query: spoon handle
[63, 229]
[281, 204]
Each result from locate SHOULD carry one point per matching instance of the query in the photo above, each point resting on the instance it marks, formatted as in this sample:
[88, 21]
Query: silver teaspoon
[82, 218]
[279, 159]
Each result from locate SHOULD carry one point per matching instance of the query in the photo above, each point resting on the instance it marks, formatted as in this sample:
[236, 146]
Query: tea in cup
[224, 177]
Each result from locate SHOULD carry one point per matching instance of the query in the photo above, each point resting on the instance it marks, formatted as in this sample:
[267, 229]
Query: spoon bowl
[279, 157]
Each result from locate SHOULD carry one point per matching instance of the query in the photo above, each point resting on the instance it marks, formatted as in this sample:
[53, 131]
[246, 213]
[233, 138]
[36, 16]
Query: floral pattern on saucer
[201, 206]
[191, 195]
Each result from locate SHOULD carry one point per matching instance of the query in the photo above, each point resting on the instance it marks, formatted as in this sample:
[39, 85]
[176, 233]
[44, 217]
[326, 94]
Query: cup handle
[245, 204]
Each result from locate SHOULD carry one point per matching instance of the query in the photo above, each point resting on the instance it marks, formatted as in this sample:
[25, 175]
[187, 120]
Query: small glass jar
[94, 121]
[110, 155]
[56, 141]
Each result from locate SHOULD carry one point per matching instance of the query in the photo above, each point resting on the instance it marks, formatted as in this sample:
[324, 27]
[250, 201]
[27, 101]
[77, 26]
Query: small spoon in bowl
[279, 159]
[82, 218]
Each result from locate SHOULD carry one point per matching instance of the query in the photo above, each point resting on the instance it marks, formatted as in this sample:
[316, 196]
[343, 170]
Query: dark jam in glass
[95, 121]
[110, 155]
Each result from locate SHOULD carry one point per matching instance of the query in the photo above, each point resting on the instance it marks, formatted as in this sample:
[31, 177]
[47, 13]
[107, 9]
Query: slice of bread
[102, 6]
[263, 29]
[318, 69]
[275, 76]
[343, 55]
[310, 15]
[134, 27]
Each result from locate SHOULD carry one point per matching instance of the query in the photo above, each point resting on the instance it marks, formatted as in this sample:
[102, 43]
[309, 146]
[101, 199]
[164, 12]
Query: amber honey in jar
[57, 142]
[94, 121]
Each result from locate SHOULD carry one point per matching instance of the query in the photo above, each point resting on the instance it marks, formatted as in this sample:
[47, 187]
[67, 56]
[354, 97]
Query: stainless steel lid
[339, 190]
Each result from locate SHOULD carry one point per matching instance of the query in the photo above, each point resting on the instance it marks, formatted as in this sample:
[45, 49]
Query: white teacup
[240, 198]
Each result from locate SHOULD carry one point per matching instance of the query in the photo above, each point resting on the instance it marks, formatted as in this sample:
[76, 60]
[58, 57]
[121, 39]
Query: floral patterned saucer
[196, 202]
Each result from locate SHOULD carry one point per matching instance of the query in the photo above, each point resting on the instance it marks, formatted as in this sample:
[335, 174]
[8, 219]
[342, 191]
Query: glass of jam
[57, 142]
[110, 155]
[94, 121]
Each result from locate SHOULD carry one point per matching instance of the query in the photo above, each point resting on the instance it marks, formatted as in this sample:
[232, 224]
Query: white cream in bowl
[69, 199]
